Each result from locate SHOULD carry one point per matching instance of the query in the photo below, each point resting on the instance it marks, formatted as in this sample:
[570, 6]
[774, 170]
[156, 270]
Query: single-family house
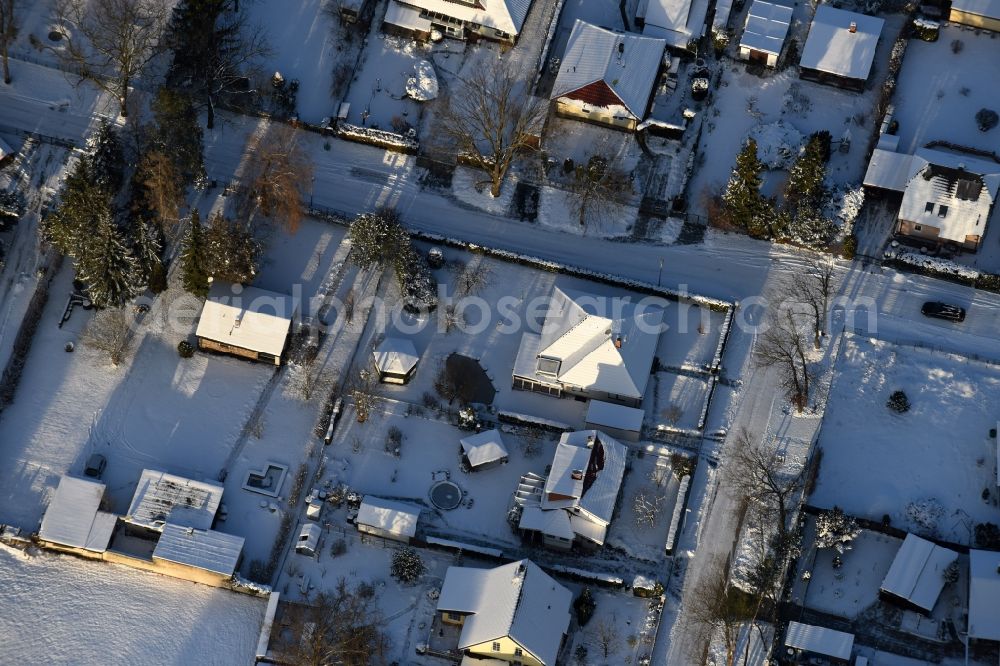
[840, 48]
[387, 519]
[983, 14]
[395, 360]
[576, 502]
[916, 576]
[483, 450]
[591, 347]
[162, 498]
[984, 595]
[209, 553]
[497, 20]
[245, 321]
[679, 22]
[514, 613]
[607, 77]
[948, 194]
[74, 522]
[807, 641]
[765, 31]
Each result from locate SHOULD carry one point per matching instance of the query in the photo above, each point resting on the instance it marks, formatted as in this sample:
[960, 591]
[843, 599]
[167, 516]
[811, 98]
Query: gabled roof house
[607, 77]
[591, 347]
[246, 321]
[515, 613]
[840, 48]
[499, 20]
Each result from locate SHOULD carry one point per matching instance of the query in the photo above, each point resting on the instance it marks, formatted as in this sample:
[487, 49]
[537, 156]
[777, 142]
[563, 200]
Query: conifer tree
[194, 271]
[72, 224]
[231, 251]
[146, 246]
[108, 268]
[108, 158]
[742, 201]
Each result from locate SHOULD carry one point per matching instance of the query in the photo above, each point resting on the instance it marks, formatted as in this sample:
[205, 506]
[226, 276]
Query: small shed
[984, 595]
[387, 519]
[619, 421]
[484, 450]
[396, 361]
[916, 576]
[840, 48]
[810, 640]
[308, 541]
[765, 31]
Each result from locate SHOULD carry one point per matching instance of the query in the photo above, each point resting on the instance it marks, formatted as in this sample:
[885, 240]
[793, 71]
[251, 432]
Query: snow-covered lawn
[853, 587]
[66, 610]
[652, 476]
[377, 93]
[878, 462]
[619, 632]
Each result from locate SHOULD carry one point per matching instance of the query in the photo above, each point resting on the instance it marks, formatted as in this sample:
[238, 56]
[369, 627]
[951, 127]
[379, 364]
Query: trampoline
[445, 495]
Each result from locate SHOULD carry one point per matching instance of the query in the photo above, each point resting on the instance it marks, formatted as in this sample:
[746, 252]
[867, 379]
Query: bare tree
[647, 506]
[306, 379]
[598, 187]
[277, 175]
[362, 392]
[814, 288]
[162, 190]
[491, 118]
[759, 471]
[342, 626]
[783, 346]
[607, 633]
[714, 605]
[472, 279]
[110, 332]
[10, 12]
[111, 41]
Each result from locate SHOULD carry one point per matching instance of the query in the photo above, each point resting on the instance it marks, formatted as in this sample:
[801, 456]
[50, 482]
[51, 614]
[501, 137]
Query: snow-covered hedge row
[675, 520]
[587, 576]
[576, 271]
[377, 137]
[932, 265]
[240, 584]
[517, 418]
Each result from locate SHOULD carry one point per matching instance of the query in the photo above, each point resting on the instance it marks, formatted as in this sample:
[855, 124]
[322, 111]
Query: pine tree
[378, 238]
[178, 133]
[231, 251]
[805, 195]
[743, 204]
[108, 158]
[108, 268]
[146, 246]
[194, 270]
[70, 228]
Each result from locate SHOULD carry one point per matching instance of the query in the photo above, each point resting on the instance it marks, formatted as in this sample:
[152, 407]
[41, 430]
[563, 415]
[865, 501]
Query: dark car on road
[95, 466]
[940, 310]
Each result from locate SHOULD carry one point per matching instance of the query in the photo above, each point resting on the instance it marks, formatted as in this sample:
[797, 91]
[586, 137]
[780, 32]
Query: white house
[607, 77]
[387, 519]
[483, 450]
[395, 360]
[948, 195]
[916, 576]
[810, 640]
[679, 22]
[592, 347]
[74, 521]
[499, 20]
[245, 321]
[579, 496]
[984, 595]
[840, 48]
[765, 31]
[513, 613]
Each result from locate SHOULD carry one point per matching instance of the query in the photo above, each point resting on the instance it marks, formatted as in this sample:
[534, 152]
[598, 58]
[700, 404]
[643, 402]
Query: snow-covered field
[59, 609]
[938, 455]
[377, 93]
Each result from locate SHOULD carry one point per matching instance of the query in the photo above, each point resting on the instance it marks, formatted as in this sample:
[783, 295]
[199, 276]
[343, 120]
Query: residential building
[592, 347]
[679, 22]
[765, 31]
[497, 20]
[983, 14]
[74, 522]
[514, 613]
[245, 321]
[916, 576]
[607, 77]
[840, 48]
[575, 503]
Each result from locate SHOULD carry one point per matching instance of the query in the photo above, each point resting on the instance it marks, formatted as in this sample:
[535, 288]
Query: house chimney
[618, 342]
[590, 441]
[854, 27]
[576, 475]
[621, 48]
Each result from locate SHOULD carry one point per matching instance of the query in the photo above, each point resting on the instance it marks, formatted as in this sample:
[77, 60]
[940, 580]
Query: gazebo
[396, 361]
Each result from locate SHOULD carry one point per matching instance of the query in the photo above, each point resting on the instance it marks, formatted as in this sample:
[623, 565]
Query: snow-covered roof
[394, 517]
[599, 461]
[5, 150]
[553, 523]
[73, 517]
[610, 415]
[247, 317]
[819, 640]
[917, 572]
[309, 535]
[668, 19]
[204, 549]
[397, 356]
[888, 170]
[516, 600]
[406, 17]
[162, 498]
[984, 594]
[610, 354]
[987, 8]
[503, 15]
[626, 62]
[485, 447]
[831, 46]
[767, 26]
[957, 202]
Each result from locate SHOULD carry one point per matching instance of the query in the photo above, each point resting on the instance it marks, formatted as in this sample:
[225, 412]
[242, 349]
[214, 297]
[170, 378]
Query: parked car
[940, 310]
[95, 466]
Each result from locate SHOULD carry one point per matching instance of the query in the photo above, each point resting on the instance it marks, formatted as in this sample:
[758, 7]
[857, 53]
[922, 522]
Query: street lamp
[312, 187]
[660, 273]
